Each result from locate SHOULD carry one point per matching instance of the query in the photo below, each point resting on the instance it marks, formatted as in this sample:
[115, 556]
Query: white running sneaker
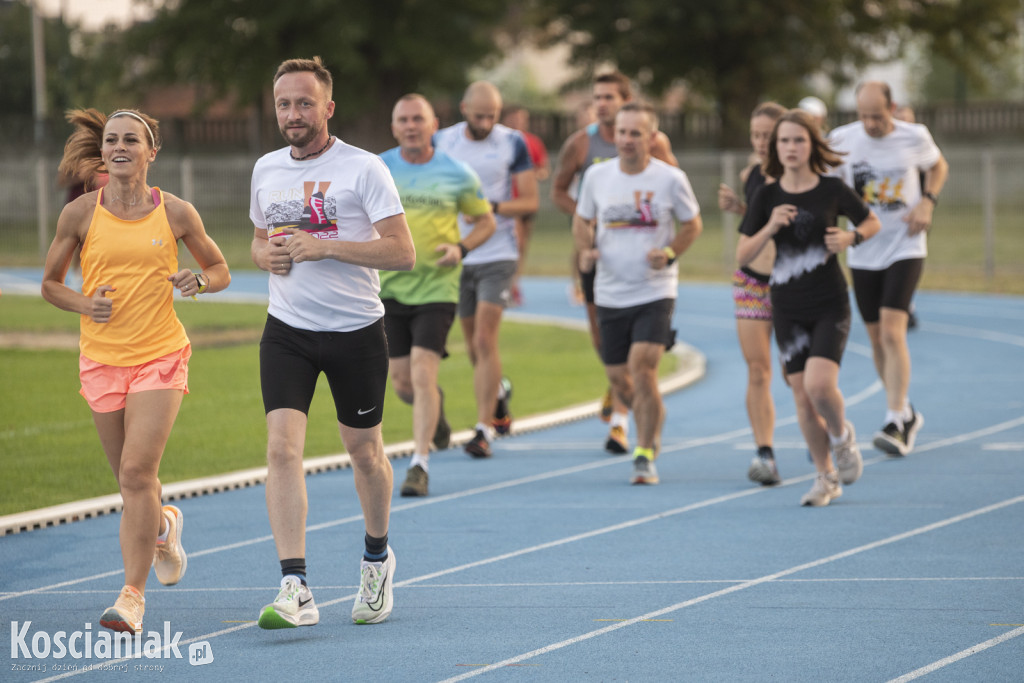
[644, 471]
[292, 607]
[376, 590]
[848, 459]
[826, 488]
[125, 615]
[170, 560]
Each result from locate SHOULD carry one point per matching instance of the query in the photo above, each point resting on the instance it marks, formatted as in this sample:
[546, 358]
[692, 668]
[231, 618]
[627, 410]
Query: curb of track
[692, 365]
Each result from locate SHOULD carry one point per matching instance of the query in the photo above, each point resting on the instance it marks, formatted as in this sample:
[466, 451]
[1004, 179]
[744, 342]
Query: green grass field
[50, 454]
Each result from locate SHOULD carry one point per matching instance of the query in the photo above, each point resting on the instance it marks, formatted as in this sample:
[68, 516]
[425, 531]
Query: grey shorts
[490, 282]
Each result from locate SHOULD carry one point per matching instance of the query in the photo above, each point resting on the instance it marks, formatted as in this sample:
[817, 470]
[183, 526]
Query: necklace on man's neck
[312, 154]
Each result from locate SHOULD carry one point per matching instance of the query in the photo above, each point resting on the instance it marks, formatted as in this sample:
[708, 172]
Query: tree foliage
[738, 52]
[376, 51]
[67, 72]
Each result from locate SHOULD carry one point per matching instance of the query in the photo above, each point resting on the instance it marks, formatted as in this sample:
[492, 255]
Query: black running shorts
[355, 364]
[622, 327]
[424, 325]
[890, 288]
[823, 335]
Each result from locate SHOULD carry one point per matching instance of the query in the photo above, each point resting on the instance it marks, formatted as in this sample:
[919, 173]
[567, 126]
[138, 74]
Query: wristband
[494, 207]
[857, 238]
[931, 196]
[463, 249]
[671, 253]
[203, 286]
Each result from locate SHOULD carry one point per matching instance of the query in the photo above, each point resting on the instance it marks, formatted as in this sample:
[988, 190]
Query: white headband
[132, 114]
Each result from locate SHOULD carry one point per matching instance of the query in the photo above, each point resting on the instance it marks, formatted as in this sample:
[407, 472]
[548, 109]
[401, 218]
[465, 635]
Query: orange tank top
[135, 258]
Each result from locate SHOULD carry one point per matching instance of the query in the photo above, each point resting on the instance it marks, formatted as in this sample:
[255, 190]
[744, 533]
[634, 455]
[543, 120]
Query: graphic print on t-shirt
[880, 188]
[311, 213]
[793, 260]
[641, 214]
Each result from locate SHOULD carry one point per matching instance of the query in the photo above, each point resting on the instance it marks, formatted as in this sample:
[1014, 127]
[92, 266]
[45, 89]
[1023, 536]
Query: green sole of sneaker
[271, 620]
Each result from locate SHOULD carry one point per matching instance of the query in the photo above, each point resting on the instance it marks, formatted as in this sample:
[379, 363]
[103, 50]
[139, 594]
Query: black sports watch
[931, 196]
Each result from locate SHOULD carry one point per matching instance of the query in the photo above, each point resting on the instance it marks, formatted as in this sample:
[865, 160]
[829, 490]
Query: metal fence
[977, 231]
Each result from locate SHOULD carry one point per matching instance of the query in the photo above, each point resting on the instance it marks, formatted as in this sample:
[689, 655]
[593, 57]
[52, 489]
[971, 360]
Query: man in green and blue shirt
[420, 304]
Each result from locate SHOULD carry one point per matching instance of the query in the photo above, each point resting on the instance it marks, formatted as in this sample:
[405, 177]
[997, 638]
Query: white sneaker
[169, 559]
[376, 590]
[292, 607]
[848, 459]
[826, 488]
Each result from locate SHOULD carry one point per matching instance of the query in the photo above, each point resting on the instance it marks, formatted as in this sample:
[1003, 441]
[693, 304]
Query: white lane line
[963, 654]
[571, 584]
[345, 520]
[617, 527]
[516, 659]
[974, 333]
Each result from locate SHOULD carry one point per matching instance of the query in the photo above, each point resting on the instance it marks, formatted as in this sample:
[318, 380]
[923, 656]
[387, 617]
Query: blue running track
[544, 564]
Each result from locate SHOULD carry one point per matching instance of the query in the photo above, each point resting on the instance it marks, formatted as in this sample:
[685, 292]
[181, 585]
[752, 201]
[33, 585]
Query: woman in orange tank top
[134, 351]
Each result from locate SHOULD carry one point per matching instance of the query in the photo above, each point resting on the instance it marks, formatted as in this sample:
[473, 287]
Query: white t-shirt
[886, 173]
[496, 158]
[634, 213]
[337, 196]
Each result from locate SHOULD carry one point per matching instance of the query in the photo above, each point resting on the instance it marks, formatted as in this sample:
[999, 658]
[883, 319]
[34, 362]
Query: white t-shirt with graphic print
[886, 173]
[635, 213]
[337, 196]
[496, 159]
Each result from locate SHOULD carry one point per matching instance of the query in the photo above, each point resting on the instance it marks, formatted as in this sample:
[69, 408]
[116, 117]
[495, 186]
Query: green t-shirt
[433, 195]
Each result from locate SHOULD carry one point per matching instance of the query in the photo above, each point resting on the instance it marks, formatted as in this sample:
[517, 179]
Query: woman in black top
[752, 298]
[811, 306]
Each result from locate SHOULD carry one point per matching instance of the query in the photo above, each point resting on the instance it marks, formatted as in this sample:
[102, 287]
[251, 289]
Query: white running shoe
[848, 459]
[376, 590]
[644, 471]
[826, 488]
[125, 615]
[170, 560]
[292, 607]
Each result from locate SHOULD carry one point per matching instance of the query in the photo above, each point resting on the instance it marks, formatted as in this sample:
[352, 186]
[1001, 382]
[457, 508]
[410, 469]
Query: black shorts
[893, 287]
[355, 363]
[424, 325]
[823, 335]
[622, 327]
[587, 284]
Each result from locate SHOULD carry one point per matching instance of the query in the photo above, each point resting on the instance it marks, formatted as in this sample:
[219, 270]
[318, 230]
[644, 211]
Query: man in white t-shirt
[884, 163]
[632, 204]
[327, 217]
[500, 157]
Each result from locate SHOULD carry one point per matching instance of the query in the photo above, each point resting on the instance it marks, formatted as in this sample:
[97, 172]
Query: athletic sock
[486, 429]
[162, 537]
[376, 548]
[895, 417]
[421, 460]
[294, 566]
[836, 440]
[907, 414]
[765, 452]
[620, 420]
[645, 452]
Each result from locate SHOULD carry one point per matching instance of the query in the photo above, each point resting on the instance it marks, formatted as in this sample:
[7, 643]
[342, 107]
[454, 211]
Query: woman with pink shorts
[134, 351]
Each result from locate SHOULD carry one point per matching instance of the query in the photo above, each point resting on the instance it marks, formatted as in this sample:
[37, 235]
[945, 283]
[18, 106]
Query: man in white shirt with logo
[633, 204]
[884, 163]
[499, 155]
[327, 217]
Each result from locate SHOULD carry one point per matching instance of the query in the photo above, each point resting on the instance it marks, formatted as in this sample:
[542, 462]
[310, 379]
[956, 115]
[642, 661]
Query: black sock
[295, 566]
[765, 452]
[376, 548]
